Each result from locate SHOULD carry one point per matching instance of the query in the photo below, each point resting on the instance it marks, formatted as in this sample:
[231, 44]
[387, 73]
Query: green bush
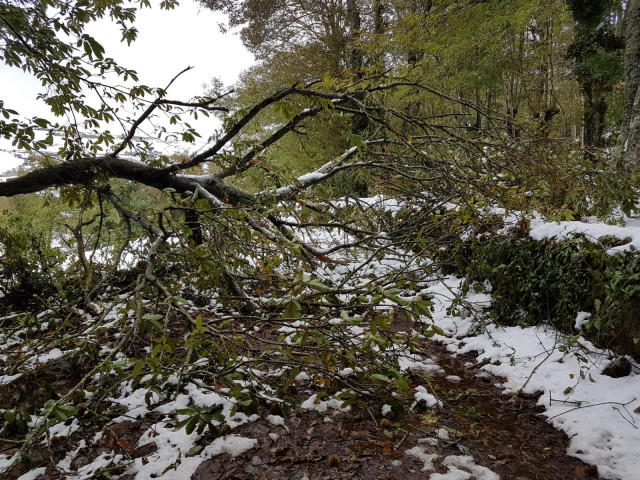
[549, 282]
[28, 262]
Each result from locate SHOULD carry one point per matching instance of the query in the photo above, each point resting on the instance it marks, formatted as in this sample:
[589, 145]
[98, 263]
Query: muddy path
[502, 436]
[476, 434]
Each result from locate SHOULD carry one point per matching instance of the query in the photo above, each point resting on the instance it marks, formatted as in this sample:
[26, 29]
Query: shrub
[549, 282]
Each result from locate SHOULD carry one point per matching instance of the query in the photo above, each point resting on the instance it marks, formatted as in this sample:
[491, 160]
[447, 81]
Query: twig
[596, 405]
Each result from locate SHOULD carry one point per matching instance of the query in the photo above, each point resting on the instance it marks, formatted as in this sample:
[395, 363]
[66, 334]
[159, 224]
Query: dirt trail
[504, 435]
[477, 433]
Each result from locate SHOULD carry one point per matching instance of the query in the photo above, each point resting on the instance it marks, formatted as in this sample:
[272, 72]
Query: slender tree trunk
[355, 57]
[595, 109]
[378, 14]
[478, 123]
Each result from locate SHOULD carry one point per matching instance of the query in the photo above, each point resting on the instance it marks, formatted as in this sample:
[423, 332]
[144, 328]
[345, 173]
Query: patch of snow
[62, 430]
[454, 463]
[65, 463]
[51, 355]
[233, 445]
[412, 361]
[276, 420]
[428, 441]
[593, 231]
[314, 404]
[426, 458]
[422, 395]
[581, 320]
[6, 461]
[135, 403]
[104, 460]
[33, 474]
[6, 379]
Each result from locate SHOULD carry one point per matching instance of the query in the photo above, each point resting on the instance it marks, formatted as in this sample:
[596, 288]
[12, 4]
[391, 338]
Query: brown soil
[503, 434]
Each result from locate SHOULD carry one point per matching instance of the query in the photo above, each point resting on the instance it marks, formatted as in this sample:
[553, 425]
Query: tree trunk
[631, 136]
[192, 220]
[595, 109]
[355, 58]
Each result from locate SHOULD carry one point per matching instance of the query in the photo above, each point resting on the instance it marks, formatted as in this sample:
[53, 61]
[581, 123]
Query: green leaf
[218, 417]
[67, 409]
[402, 384]
[137, 369]
[399, 301]
[292, 310]
[41, 122]
[194, 450]
[191, 425]
[381, 378]
[59, 415]
[179, 299]
[438, 330]
[318, 285]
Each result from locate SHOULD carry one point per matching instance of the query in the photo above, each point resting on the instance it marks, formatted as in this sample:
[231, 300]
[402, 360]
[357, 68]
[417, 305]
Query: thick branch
[245, 162]
[83, 172]
[242, 122]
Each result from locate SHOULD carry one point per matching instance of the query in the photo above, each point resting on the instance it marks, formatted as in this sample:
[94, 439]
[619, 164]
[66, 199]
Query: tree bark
[355, 57]
[192, 220]
[595, 109]
[631, 136]
[83, 173]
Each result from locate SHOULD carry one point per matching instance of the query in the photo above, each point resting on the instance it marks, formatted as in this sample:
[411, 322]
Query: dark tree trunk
[512, 125]
[545, 122]
[596, 34]
[355, 58]
[192, 220]
[419, 7]
[378, 14]
[595, 109]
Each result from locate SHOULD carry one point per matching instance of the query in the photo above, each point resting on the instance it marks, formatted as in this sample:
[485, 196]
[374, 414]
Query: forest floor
[491, 402]
[476, 432]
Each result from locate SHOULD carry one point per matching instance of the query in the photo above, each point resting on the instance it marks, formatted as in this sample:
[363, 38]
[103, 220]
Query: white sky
[168, 41]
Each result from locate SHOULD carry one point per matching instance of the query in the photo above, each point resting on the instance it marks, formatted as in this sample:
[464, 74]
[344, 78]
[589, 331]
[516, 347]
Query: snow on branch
[313, 178]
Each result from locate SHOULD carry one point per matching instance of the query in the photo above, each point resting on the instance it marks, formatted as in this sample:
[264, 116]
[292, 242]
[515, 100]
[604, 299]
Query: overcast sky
[168, 41]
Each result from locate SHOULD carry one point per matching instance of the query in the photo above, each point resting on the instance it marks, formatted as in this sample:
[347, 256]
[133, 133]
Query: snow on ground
[600, 414]
[593, 230]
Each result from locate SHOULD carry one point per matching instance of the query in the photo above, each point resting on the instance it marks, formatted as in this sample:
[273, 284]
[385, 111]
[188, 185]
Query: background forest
[374, 152]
